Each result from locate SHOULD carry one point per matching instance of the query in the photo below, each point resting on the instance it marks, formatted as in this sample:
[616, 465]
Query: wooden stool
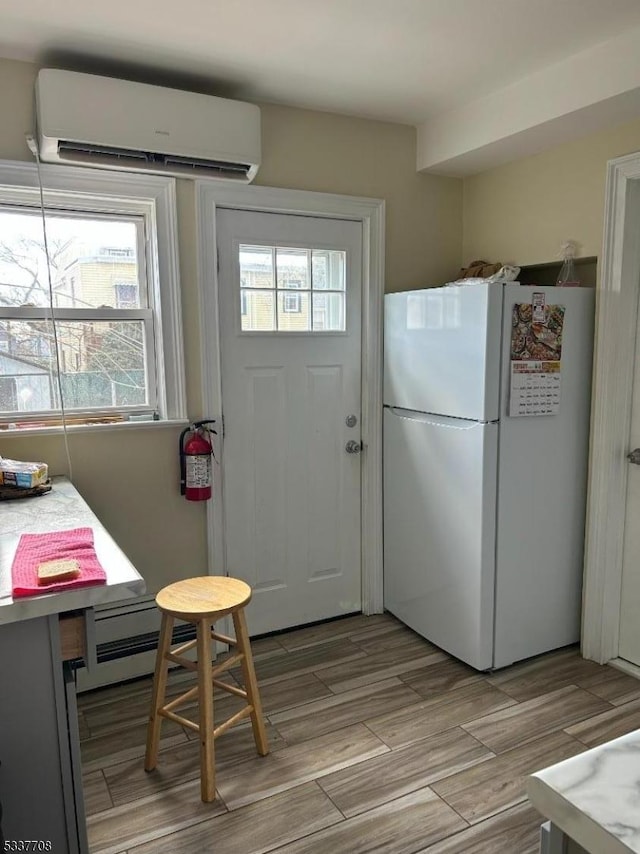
[203, 601]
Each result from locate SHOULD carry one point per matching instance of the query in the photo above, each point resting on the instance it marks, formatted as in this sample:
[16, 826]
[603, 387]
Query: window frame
[296, 298]
[151, 198]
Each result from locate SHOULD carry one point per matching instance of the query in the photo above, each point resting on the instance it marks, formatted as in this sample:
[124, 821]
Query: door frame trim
[210, 196]
[617, 316]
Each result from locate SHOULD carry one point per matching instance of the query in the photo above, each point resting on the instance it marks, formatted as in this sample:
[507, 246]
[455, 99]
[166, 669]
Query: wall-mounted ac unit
[117, 124]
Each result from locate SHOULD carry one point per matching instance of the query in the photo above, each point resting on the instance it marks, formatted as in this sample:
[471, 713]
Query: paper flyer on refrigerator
[536, 353]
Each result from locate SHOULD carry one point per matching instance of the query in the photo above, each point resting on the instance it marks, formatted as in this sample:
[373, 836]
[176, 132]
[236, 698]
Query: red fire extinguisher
[195, 461]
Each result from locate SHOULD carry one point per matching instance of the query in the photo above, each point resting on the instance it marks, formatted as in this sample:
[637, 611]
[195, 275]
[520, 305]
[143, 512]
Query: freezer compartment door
[439, 530]
[442, 350]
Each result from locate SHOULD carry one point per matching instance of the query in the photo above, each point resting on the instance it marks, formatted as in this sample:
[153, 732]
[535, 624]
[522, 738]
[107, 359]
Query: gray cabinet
[40, 774]
[554, 841]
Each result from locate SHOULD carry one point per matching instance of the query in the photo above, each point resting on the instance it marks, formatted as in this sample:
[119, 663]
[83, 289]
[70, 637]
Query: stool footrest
[179, 719]
[193, 665]
[224, 638]
[183, 662]
[226, 665]
[230, 689]
[234, 719]
[185, 647]
[178, 701]
[223, 727]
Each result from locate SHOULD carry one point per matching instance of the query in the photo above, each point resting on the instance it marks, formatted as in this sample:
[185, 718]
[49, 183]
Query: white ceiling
[394, 60]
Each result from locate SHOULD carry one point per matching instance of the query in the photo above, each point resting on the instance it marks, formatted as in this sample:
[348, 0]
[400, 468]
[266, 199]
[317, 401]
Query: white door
[290, 333]
[629, 647]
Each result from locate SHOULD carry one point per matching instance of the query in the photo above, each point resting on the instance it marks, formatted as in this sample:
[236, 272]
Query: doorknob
[353, 447]
[634, 457]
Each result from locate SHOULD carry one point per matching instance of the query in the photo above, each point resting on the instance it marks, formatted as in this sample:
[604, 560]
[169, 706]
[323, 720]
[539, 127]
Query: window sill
[93, 428]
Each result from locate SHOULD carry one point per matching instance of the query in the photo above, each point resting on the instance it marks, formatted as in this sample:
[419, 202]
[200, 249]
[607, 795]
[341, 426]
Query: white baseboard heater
[122, 640]
[124, 631]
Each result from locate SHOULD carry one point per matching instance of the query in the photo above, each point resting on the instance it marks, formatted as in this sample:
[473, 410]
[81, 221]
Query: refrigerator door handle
[436, 420]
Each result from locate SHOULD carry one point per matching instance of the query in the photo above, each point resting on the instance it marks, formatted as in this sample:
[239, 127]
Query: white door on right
[629, 646]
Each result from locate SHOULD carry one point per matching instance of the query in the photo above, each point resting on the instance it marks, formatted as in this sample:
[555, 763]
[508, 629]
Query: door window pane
[256, 267]
[308, 289]
[292, 266]
[260, 311]
[328, 268]
[328, 312]
[293, 312]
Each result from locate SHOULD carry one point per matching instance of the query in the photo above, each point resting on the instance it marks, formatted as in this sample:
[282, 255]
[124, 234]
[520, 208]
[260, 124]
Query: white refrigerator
[484, 509]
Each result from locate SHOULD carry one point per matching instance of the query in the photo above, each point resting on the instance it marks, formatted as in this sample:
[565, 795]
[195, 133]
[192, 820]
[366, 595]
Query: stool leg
[159, 689]
[205, 699]
[250, 682]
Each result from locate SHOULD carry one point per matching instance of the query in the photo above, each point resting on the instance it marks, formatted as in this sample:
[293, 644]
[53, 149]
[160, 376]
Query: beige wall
[523, 211]
[336, 154]
[130, 477]
[129, 480]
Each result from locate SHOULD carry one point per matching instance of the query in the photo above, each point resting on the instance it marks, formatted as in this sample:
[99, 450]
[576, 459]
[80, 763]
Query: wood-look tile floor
[379, 742]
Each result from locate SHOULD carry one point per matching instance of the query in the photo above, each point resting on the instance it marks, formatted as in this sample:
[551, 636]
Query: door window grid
[269, 274]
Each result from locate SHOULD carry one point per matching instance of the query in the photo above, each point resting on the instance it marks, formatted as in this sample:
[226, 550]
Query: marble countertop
[594, 797]
[58, 510]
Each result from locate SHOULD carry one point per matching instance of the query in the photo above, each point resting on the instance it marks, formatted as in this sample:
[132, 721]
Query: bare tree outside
[93, 265]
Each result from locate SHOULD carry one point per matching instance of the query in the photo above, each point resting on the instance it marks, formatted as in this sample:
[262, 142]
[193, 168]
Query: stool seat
[202, 601]
[206, 596]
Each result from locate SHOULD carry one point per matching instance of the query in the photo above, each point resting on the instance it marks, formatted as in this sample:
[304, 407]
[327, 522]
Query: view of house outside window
[292, 289]
[98, 284]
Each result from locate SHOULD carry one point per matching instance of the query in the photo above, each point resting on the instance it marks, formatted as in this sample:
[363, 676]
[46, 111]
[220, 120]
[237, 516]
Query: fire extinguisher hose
[183, 465]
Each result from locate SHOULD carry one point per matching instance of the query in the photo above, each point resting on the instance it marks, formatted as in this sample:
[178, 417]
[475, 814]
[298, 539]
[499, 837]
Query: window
[112, 262]
[292, 303]
[292, 289]
[127, 294]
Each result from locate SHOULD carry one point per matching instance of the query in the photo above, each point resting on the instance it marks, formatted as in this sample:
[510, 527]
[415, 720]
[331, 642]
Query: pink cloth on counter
[34, 549]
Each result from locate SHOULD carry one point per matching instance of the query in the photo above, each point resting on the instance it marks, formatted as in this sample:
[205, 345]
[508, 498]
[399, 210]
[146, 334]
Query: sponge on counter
[57, 570]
